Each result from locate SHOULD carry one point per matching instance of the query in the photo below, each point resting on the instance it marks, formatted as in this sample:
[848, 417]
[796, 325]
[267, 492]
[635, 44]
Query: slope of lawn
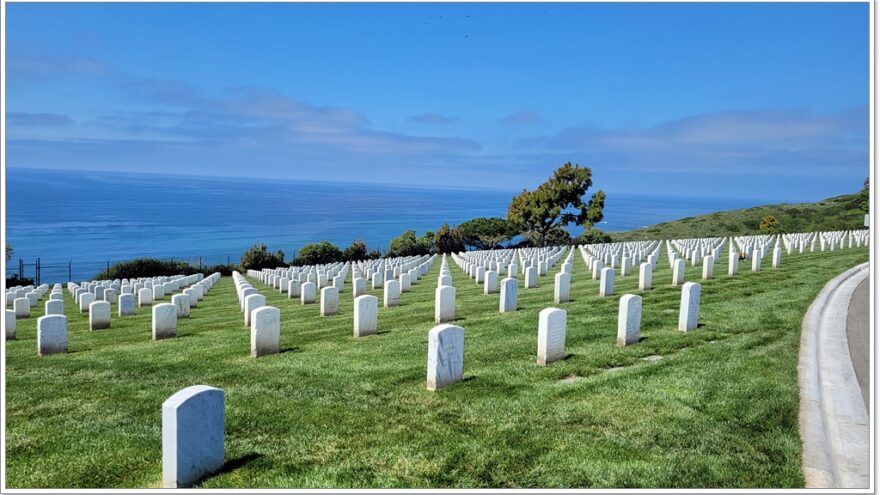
[838, 213]
[719, 409]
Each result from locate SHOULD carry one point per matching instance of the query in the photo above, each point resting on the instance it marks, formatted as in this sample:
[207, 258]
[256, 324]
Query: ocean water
[78, 221]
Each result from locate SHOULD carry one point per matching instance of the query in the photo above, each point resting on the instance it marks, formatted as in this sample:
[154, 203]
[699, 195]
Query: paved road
[858, 336]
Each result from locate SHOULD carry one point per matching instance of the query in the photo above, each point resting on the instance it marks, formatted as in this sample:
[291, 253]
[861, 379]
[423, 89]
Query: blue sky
[765, 101]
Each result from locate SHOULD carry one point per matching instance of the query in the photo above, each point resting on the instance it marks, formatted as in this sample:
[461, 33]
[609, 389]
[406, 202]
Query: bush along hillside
[845, 212]
[151, 267]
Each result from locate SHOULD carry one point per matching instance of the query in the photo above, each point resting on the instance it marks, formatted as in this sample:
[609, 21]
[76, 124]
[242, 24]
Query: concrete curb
[834, 424]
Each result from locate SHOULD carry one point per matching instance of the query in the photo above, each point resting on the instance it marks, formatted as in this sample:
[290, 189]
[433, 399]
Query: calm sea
[77, 221]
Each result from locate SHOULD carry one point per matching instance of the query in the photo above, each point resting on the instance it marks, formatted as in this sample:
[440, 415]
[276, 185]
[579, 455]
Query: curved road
[858, 337]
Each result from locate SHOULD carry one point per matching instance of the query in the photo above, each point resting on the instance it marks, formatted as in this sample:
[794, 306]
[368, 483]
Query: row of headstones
[329, 301]
[476, 263]
[625, 255]
[52, 332]
[193, 419]
[263, 321]
[265, 326]
[22, 299]
[29, 292]
[598, 257]
[320, 275]
[825, 240]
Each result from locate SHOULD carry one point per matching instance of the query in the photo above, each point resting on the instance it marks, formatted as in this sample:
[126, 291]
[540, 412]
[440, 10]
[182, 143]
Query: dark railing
[78, 270]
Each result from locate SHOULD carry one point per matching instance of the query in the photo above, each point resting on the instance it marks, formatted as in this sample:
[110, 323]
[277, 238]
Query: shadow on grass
[233, 464]
[289, 349]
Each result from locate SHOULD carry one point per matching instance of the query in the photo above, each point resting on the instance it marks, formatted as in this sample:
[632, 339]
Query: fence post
[20, 268]
[200, 262]
[37, 272]
[70, 271]
[227, 260]
[108, 267]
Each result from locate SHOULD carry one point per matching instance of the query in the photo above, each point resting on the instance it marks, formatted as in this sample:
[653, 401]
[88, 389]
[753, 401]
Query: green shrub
[356, 252]
[259, 257]
[407, 244]
[14, 280]
[148, 267]
[318, 253]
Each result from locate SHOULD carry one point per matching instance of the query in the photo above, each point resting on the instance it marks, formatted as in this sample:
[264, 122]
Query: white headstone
[708, 264]
[181, 301]
[689, 311]
[10, 324]
[646, 274]
[606, 283]
[22, 307]
[490, 282]
[531, 279]
[444, 304]
[158, 292]
[192, 435]
[251, 303]
[145, 297]
[329, 301]
[359, 286]
[445, 356]
[99, 315]
[293, 288]
[678, 272]
[307, 293]
[51, 335]
[266, 330]
[85, 299]
[733, 263]
[366, 315]
[561, 287]
[405, 282]
[551, 335]
[629, 320]
[126, 305]
[164, 321]
[193, 296]
[392, 294]
[508, 300]
[777, 257]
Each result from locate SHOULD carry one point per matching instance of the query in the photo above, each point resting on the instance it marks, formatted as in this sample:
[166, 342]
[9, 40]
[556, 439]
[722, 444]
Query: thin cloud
[38, 119]
[767, 142]
[523, 118]
[431, 118]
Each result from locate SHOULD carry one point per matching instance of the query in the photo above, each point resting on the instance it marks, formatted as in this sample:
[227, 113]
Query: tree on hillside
[557, 236]
[407, 244]
[259, 257]
[769, 225]
[865, 196]
[318, 253]
[356, 252]
[592, 236]
[448, 240]
[486, 232]
[9, 252]
[556, 203]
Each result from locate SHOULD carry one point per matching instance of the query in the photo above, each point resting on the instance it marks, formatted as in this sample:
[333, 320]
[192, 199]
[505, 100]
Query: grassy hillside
[838, 213]
[716, 407]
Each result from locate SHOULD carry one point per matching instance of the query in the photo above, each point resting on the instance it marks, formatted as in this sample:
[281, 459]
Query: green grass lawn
[720, 409]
